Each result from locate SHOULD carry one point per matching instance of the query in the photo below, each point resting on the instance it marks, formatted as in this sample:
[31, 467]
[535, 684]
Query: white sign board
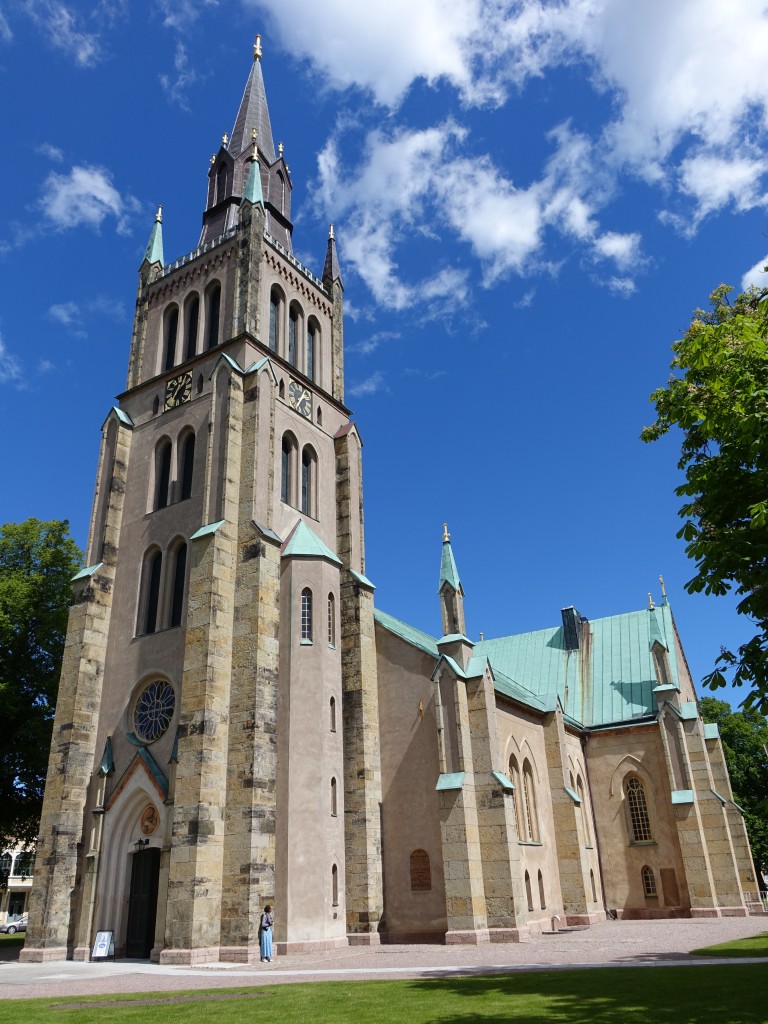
[103, 946]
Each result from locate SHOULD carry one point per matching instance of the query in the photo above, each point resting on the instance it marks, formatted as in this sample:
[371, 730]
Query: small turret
[154, 251]
[451, 591]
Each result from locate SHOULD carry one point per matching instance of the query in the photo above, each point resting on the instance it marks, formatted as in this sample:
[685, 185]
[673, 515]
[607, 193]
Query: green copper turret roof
[252, 192]
[253, 113]
[154, 251]
[303, 543]
[448, 572]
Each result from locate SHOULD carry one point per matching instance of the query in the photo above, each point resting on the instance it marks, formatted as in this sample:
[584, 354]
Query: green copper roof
[408, 633]
[711, 731]
[448, 571]
[450, 780]
[154, 251]
[252, 192]
[303, 543]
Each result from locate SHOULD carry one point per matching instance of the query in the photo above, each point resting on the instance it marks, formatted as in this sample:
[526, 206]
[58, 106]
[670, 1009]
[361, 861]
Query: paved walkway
[613, 943]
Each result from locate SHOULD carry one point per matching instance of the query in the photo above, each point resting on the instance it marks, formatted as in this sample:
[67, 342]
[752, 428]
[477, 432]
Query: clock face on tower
[300, 398]
[178, 390]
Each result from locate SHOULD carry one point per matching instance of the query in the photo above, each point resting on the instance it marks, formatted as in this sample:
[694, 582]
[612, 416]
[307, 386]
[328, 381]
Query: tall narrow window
[191, 317]
[163, 474]
[311, 349]
[332, 713]
[529, 799]
[306, 615]
[308, 463]
[421, 871]
[335, 886]
[528, 893]
[584, 811]
[334, 807]
[331, 620]
[592, 883]
[286, 469]
[514, 778]
[187, 466]
[221, 183]
[179, 577]
[542, 897]
[639, 822]
[171, 331]
[649, 881]
[153, 571]
[212, 320]
[293, 327]
[274, 318]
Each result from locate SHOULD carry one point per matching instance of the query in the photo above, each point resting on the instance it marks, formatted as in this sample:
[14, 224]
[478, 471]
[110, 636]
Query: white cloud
[176, 87]
[50, 152]
[66, 313]
[45, 366]
[756, 276]
[372, 342]
[10, 367]
[715, 181]
[179, 14]
[369, 386]
[86, 197]
[622, 286]
[6, 35]
[623, 249]
[64, 32]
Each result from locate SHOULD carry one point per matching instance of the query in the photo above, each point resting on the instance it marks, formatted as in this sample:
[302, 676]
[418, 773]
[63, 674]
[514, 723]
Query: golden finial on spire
[446, 535]
[331, 235]
[213, 159]
[651, 604]
[225, 140]
[280, 148]
[159, 215]
[663, 588]
[257, 48]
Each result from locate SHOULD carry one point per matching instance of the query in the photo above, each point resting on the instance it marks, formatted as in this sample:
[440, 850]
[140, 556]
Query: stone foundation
[43, 956]
[364, 939]
[470, 937]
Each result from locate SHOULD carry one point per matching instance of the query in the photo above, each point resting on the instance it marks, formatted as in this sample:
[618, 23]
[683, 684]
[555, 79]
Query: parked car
[11, 927]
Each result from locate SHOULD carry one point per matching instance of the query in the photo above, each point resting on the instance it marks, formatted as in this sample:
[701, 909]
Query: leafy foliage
[745, 735]
[720, 402]
[37, 562]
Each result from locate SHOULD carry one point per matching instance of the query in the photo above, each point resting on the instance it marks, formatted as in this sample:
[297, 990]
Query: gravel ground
[613, 943]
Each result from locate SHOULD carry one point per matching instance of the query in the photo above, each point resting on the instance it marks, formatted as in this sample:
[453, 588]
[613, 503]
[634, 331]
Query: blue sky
[529, 201]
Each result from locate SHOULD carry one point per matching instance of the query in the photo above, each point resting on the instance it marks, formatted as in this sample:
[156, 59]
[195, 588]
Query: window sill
[529, 842]
[307, 643]
[642, 842]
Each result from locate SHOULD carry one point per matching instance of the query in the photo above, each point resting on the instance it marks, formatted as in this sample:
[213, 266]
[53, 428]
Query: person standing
[265, 934]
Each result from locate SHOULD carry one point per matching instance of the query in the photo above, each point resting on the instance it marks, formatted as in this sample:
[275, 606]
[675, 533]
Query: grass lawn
[735, 994]
[756, 945]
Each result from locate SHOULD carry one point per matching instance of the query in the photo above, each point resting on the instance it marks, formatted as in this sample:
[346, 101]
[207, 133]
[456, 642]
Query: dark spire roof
[253, 113]
[331, 269]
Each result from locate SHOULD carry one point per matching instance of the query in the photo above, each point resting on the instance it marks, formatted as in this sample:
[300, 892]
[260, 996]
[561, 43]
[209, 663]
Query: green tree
[718, 397]
[745, 736]
[37, 563]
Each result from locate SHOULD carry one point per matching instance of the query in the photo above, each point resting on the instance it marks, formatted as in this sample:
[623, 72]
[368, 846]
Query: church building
[237, 724]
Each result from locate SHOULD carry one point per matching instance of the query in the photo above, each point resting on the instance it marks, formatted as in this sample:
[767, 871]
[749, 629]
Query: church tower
[215, 745]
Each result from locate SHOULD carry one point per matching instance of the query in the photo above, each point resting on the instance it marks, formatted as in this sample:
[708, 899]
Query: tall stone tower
[215, 745]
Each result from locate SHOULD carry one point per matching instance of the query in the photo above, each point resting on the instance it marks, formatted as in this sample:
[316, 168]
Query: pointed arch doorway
[142, 903]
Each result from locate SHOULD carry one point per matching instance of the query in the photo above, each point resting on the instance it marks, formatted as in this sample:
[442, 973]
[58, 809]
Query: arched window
[191, 320]
[319, 416]
[179, 578]
[584, 811]
[289, 448]
[221, 183]
[162, 474]
[24, 864]
[308, 483]
[542, 897]
[213, 310]
[6, 861]
[529, 801]
[592, 883]
[275, 304]
[639, 822]
[281, 389]
[335, 886]
[331, 620]
[186, 465]
[171, 330]
[150, 591]
[334, 806]
[528, 893]
[649, 881]
[332, 713]
[312, 335]
[200, 384]
[421, 871]
[294, 321]
[155, 406]
[281, 186]
[514, 778]
[306, 615]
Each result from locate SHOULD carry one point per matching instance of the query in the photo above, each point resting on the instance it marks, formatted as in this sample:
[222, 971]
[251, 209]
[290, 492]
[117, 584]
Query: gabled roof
[303, 543]
[609, 680]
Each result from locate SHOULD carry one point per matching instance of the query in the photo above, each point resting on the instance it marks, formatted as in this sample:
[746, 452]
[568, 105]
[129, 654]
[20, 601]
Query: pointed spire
[448, 572]
[154, 251]
[331, 271]
[253, 113]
